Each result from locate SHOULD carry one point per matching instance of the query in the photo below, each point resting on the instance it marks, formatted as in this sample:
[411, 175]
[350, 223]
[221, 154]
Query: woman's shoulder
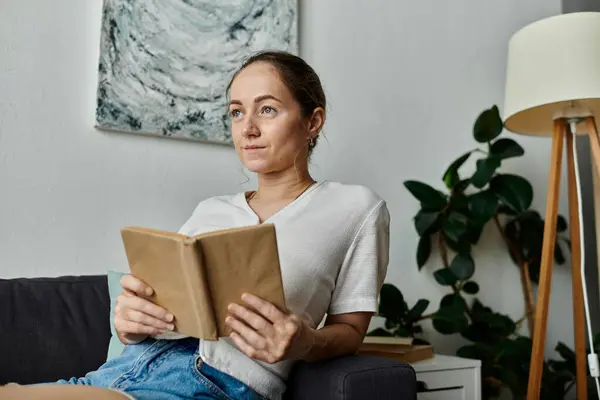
[354, 202]
[352, 193]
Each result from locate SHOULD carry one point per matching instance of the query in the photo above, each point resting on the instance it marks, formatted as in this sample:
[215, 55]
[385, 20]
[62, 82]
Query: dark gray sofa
[53, 328]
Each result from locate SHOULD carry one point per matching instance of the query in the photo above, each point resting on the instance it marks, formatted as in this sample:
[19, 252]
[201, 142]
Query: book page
[241, 260]
[171, 266]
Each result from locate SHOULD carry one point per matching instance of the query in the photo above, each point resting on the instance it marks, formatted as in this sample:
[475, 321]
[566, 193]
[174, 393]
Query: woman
[333, 241]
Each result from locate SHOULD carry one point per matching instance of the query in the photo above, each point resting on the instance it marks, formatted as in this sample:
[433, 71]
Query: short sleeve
[365, 265]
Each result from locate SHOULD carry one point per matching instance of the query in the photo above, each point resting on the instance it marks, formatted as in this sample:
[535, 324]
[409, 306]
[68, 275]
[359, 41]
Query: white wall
[405, 81]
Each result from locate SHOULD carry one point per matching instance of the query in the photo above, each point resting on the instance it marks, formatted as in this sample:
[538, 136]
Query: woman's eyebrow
[256, 100]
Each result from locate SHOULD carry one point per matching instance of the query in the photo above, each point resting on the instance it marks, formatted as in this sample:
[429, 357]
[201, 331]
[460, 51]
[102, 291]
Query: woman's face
[268, 130]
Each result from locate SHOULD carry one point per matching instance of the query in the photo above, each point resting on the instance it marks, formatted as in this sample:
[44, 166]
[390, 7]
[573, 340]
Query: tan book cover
[404, 353]
[399, 348]
[197, 277]
[386, 341]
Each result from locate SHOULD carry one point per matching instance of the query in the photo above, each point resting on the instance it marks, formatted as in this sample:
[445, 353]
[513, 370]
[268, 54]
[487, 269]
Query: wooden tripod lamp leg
[541, 312]
[578, 308]
[592, 131]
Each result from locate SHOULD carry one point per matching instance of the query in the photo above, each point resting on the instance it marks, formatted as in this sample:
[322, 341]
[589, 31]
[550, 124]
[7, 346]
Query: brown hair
[300, 79]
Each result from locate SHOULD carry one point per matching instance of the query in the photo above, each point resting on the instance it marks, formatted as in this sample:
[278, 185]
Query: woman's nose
[250, 129]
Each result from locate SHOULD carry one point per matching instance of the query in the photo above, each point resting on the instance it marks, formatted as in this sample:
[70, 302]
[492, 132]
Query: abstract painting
[165, 64]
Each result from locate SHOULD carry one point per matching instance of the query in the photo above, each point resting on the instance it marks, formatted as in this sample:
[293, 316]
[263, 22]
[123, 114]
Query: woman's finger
[249, 334]
[144, 319]
[126, 300]
[245, 347]
[267, 309]
[133, 284]
[129, 327]
[249, 317]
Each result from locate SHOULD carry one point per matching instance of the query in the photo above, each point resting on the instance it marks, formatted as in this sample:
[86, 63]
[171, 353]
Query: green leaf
[389, 324]
[423, 250]
[451, 177]
[502, 209]
[462, 246]
[426, 221]
[448, 321]
[459, 202]
[501, 324]
[429, 197]
[534, 270]
[473, 234]
[565, 352]
[454, 301]
[486, 167]
[471, 287]
[561, 224]
[487, 324]
[444, 277]
[506, 148]
[391, 302]
[417, 310]
[462, 266]
[488, 125]
[523, 346]
[455, 225]
[527, 234]
[478, 332]
[483, 206]
[469, 351]
[444, 325]
[513, 190]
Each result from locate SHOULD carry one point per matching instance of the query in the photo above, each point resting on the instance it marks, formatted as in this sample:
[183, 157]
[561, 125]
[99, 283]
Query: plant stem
[443, 250]
[525, 279]
[444, 254]
[529, 297]
[520, 321]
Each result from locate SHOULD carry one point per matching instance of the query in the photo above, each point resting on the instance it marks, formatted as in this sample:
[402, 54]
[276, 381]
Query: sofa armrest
[352, 378]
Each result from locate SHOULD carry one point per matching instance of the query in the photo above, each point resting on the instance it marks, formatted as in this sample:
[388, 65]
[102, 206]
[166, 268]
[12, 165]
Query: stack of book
[398, 348]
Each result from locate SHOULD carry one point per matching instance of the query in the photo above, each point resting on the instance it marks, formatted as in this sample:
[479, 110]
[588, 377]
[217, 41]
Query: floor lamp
[553, 89]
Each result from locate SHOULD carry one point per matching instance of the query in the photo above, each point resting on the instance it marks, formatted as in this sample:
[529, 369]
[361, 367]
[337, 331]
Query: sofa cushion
[353, 377]
[52, 328]
[115, 347]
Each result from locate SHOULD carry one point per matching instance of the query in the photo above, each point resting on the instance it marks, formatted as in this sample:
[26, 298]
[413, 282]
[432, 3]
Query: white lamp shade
[552, 63]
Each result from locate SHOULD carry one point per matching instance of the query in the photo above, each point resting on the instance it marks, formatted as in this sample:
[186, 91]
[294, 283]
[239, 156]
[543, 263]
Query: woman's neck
[287, 186]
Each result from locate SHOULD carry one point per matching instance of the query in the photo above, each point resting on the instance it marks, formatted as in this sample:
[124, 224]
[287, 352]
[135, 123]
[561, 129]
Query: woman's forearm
[334, 340]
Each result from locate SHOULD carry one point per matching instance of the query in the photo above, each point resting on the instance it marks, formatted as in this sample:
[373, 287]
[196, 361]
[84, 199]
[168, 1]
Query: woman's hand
[136, 317]
[265, 333]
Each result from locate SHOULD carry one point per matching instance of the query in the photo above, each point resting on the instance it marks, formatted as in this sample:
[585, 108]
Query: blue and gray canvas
[165, 64]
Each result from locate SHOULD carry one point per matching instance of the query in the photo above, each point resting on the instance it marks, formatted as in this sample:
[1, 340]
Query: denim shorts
[165, 370]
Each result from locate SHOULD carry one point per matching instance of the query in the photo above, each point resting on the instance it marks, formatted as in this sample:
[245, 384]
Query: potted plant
[452, 220]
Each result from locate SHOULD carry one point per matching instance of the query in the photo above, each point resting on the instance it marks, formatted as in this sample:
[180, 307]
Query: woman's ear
[316, 122]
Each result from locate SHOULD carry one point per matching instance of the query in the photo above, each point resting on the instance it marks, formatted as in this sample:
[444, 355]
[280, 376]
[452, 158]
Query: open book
[197, 277]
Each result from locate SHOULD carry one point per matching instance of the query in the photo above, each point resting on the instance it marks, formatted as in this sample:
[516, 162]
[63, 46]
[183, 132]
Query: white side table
[449, 378]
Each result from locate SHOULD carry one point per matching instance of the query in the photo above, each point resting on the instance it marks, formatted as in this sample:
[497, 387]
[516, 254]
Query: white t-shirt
[333, 244]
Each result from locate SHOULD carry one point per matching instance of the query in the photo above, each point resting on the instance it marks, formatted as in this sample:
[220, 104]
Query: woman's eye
[268, 110]
[235, 113]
